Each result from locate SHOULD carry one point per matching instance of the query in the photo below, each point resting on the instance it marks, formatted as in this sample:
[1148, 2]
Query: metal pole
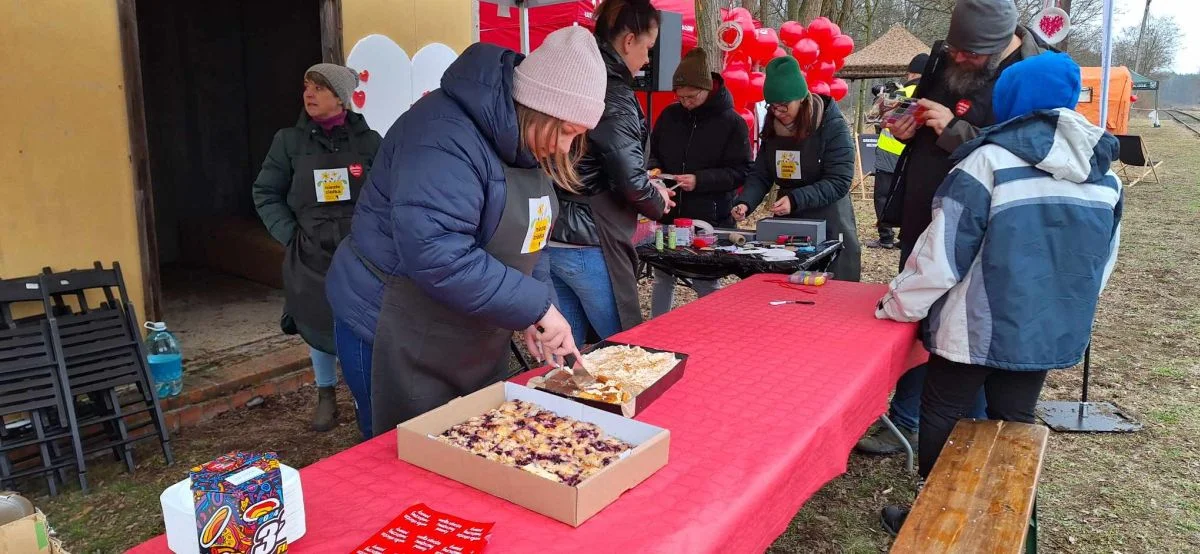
[523, 14]
[1137, 48]
[1087, 370]
[1105, 62]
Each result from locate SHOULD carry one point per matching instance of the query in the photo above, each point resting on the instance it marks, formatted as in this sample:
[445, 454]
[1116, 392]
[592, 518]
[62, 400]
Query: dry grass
[1099, 493]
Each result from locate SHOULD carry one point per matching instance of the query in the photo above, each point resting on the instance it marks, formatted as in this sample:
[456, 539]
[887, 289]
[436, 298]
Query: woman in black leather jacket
[592, 259]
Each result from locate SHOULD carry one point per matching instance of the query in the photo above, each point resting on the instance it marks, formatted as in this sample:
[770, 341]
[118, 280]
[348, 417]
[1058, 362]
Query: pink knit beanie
[564, 78]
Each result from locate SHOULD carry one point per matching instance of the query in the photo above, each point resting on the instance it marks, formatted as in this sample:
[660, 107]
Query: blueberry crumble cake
[526, 436]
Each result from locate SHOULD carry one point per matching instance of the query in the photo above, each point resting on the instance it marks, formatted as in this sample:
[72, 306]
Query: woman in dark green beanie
[806, 150]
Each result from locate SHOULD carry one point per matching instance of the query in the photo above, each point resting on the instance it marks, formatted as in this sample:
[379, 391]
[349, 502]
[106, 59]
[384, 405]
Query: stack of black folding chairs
[74, 380]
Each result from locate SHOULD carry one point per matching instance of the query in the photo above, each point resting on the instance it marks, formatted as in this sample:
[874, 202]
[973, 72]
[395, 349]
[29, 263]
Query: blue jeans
[355, 355]
[324, 367]
[584, 291]
[906, 403]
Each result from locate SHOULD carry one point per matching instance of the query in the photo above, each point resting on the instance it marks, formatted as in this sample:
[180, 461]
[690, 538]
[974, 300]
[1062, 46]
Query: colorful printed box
[239, 504]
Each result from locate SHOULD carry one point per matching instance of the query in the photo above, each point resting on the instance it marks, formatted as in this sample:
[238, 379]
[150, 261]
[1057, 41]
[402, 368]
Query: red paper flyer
[423, 530]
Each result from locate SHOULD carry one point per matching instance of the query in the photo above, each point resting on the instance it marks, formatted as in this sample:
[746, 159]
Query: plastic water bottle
[165, 358]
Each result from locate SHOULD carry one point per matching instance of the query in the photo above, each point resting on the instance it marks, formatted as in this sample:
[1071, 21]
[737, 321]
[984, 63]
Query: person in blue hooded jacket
[1024, 237]
[441, 265]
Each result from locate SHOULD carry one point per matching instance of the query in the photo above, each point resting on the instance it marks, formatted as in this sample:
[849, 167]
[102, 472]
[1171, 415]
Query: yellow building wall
[66, 198]
[410, 23]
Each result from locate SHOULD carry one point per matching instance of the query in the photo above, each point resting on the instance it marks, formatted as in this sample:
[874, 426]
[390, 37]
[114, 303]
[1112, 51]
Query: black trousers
[950, 392]
[883, 187]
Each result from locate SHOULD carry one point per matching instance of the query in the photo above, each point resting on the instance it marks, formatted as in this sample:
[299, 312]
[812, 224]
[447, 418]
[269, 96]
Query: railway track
[1189, 120]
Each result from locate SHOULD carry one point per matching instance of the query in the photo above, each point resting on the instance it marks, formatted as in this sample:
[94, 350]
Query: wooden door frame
[139, 144]
[139, 159]
[331, 32]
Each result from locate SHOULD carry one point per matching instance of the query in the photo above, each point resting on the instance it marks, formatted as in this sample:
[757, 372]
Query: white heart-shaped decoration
[396, 80]
[1052, 25]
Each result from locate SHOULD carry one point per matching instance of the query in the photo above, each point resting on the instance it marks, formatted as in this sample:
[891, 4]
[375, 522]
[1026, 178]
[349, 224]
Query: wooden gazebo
[887, 57]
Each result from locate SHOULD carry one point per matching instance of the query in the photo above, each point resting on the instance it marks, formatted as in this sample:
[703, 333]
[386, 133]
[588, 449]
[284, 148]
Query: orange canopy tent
[1119, 102]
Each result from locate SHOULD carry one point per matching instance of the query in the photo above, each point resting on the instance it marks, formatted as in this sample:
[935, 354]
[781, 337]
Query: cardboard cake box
[643, 399]
[570, 505]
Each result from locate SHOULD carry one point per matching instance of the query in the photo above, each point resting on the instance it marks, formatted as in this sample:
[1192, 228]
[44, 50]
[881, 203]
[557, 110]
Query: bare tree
[708, 18]
[752, 6]
[1155, 52]
[804, 11]
[843, 16]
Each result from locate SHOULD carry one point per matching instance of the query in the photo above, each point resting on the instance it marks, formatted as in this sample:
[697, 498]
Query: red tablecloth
[772, 401]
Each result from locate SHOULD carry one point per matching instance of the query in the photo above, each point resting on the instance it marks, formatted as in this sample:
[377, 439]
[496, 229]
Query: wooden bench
[980, 496]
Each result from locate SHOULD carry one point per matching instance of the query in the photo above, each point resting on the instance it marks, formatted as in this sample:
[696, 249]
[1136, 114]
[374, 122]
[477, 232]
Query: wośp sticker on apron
[787, 164]
[333, 185]
[540, 213]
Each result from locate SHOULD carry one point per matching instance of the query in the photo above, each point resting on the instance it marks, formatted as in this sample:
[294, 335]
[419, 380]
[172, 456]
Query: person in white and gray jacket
[1024, 237]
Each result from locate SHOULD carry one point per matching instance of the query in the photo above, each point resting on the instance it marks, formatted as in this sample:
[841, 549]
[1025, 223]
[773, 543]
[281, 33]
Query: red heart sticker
[1051, 25]
[364, 76]
[359, 97]
[962, 108]
[356, 170]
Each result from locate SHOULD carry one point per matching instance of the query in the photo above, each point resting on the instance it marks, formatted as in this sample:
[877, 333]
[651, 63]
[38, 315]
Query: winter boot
[325, 418]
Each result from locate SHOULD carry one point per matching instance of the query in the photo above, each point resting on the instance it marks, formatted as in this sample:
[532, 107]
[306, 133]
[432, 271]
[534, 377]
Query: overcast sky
[1130, 13]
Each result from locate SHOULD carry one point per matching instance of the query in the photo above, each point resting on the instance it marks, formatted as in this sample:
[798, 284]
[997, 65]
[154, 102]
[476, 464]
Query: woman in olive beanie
[807, 151]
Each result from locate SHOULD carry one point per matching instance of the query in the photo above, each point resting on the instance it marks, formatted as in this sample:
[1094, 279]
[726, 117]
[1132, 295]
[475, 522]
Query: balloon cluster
[821, 51]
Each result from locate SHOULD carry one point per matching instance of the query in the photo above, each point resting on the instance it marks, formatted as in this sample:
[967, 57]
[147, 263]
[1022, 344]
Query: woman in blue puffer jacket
[441, 265]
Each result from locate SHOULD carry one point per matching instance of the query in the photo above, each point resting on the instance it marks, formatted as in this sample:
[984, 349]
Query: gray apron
[426, 354]
[616, 221]
[802, 169]
[322, 195]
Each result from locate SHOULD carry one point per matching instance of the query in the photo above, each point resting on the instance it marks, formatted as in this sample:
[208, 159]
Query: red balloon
[837, 48]
[755, 92]
[836, 30]
[838, 89]
[736, 61]
[823, 71]
[779, 53]
[765, 43]
[822, 88]
[841, 46]
[737, 81]
[751, 121]
[790, 32]
[821, 30]
[806, 51]
[740, 14]
[839, 63]
[1133, 98]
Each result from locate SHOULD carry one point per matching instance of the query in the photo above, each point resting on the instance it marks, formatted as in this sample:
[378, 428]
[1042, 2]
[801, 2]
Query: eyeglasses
[955, 51]
[687, 97]
[779, 106]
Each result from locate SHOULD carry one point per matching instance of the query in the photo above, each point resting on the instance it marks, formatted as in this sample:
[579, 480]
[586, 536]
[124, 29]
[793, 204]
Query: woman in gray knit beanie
[305, 196]
[443, 261]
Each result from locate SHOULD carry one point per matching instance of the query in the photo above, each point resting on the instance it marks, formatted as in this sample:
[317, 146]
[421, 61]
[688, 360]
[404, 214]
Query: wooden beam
[139, 160]
[331, 32]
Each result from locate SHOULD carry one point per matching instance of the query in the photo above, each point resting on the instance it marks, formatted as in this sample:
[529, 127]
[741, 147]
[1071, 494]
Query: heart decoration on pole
[1052, 24]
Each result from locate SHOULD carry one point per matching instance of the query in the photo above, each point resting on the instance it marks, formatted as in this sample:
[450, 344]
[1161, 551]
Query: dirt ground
[1099, 493]
[213, 313]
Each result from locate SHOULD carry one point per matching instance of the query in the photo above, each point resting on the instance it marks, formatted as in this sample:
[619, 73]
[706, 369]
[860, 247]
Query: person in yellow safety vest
[887, 152]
